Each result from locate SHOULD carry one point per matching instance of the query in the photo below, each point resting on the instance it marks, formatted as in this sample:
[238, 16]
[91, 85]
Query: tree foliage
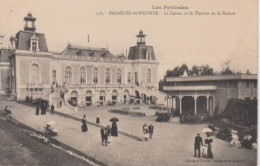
[239, 110]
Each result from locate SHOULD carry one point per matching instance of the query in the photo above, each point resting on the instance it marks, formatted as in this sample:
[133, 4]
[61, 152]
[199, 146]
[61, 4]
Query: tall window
[149, 75]
[34, 46]
[107, 75]
[35, 74]
[129, 77]
[95, 75]
[119, 76]
[54, 76]
[68, 75]
[247, 84]
[149, 56]
[82, 73]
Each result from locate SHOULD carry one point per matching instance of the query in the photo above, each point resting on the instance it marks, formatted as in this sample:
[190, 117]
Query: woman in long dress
[84, 126]
[114, 130]
[208, 141]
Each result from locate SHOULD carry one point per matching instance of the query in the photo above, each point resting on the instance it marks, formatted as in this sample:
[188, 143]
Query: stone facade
[37, 72]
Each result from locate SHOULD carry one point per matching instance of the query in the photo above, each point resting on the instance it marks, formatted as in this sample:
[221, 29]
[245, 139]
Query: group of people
[206, 148]
[42, 106]
[148, 131]
[105, 132]
[246, 142]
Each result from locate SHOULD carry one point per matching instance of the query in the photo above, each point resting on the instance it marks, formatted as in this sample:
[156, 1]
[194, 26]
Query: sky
[189, 39]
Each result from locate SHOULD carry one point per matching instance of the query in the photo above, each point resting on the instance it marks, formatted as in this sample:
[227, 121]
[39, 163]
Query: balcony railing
[189, 88]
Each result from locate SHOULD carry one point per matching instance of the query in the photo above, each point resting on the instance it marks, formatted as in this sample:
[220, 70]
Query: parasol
[206, 130]
[51, 123]
[114, 119]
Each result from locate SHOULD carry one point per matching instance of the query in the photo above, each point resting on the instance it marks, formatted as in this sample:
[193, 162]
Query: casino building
[80, 75]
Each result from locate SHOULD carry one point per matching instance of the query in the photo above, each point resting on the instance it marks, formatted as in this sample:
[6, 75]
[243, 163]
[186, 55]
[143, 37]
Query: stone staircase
[152, 92]
[55, 99]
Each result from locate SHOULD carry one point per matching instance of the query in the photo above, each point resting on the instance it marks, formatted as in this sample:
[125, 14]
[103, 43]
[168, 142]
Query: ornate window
[68, 75]
[149, 75]
[107, 75]
[82, 75]
[95, 75]
[34, 43]
[34, 46]
[119, 76]
[35, 74]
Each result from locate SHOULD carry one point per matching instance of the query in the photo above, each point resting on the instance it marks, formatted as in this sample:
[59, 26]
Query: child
[204, 152]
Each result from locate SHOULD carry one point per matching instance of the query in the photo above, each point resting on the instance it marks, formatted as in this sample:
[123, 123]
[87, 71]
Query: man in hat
[198, 142]
[52, 109]
[102, 132]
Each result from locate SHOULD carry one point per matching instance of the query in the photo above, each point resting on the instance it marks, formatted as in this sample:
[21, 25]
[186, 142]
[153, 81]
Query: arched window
[68, 75]
[107, 75]
[149, 75]
[95, 75]
[82, 75]
[119, 76]
[35, 74]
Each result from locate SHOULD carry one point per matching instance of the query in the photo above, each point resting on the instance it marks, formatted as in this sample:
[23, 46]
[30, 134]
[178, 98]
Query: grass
[18, 148]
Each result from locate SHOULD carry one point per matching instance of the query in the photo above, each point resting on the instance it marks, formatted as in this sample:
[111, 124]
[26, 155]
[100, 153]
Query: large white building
[85, 75]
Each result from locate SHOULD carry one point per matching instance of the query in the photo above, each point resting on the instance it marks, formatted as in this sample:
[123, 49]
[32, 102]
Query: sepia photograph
[128, 83]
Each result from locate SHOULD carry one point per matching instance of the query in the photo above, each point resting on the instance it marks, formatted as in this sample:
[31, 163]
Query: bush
[198, 118]
[126, 112]
[163, 116]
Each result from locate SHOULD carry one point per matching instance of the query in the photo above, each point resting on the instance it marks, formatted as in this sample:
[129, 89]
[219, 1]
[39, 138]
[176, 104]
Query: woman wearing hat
[84, 126]
[208, 141]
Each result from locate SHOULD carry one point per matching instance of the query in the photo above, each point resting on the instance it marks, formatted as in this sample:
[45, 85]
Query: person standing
[198, 142]
[102, 132]
[97, 119]
[114, 129]
[108, 133]
[150, 128]
[84, 126]
[52, 109]
[208, 141]
[145, 131]
[37, 110]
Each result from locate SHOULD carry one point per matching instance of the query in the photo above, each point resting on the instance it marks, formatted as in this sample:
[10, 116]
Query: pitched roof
[87, 51]
[24, 37]
[4, 54]
[213, 78]
[139, 52]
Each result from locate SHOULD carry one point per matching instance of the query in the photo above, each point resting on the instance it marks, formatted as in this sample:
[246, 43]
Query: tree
[206, 70]
[226, 71]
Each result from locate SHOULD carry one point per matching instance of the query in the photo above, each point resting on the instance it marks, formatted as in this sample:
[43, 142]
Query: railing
[66, 97]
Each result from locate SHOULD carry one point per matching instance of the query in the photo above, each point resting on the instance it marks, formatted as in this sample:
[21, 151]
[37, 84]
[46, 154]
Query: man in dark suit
[102, 131]
[52, 109]
[150, 129]
[197, 144]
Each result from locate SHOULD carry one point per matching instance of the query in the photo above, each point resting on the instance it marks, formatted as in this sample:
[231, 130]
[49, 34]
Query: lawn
[18, 148]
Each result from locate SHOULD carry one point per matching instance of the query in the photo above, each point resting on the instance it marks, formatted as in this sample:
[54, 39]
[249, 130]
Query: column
[167, 98]
[207, 103]
[195, 104]
[180, 97]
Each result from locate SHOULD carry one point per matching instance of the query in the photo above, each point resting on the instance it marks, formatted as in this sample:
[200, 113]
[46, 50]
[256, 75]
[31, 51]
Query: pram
[50, 130]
